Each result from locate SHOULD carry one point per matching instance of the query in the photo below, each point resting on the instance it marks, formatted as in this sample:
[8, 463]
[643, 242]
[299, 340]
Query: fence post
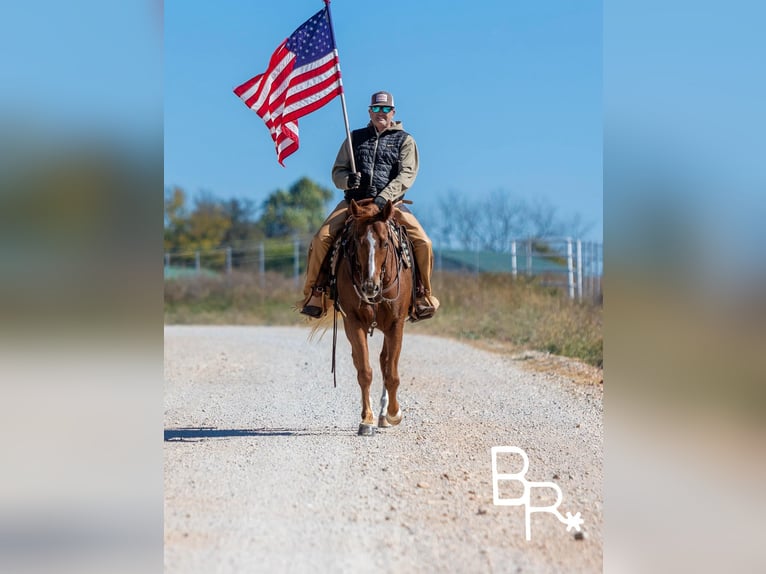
[529, 256]
[196, 261]
[570, 268]
[261, 264]
[579, 270]
[514, 268]
[228, 260]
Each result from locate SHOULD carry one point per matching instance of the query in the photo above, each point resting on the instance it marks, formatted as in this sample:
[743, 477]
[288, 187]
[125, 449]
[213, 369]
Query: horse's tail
[323, 323]
[320, 326]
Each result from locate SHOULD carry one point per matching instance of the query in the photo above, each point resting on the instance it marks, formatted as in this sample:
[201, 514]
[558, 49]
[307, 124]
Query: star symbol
[573, 521]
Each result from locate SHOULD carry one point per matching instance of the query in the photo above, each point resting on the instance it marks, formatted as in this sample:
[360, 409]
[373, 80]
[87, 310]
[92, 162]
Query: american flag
[303, 75]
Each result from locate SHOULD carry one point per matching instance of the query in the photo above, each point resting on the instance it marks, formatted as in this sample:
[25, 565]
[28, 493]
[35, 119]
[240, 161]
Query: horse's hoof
[366, 430]
[382, 422]
[394, 420]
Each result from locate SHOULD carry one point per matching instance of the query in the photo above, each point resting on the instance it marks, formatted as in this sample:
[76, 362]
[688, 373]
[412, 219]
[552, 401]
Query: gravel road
[264, 471]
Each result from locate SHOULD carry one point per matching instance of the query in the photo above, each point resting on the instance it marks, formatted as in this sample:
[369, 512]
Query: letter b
[511, 477]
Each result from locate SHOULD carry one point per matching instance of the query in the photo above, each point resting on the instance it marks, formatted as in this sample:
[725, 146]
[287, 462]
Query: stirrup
[422, 311]
[314, 311]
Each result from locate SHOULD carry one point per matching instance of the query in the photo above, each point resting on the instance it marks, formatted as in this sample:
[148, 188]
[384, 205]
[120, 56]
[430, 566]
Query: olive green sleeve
[342, 167]
[408, 156]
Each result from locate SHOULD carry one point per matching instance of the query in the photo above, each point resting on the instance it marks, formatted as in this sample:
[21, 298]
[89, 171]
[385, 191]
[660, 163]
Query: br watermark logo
[524, 499]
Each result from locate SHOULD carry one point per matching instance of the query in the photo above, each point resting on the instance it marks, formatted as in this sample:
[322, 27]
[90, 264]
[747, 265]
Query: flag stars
[280, 106]
[312, 40]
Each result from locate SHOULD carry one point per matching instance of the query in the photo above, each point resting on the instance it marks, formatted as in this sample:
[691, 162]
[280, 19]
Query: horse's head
[374, 252]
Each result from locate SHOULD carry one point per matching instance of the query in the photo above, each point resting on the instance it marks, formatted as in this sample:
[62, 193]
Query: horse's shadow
[191, 434]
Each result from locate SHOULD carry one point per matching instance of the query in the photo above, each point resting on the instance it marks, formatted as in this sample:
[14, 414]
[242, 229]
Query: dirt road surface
[264, 471]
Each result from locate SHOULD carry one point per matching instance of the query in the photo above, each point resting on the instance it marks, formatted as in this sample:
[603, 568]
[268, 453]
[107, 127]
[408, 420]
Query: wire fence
[570, 264]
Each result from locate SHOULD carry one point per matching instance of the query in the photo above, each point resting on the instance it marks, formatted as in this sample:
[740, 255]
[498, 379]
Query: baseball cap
[382, 99]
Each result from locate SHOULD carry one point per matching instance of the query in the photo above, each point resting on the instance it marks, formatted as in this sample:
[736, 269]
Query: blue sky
[499, 95]
[87, 67]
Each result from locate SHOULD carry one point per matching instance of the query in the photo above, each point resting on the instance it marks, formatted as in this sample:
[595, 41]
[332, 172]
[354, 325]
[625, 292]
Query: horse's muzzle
[370, 291]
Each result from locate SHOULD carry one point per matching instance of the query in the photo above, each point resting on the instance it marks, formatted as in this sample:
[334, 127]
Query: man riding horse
[387, 161]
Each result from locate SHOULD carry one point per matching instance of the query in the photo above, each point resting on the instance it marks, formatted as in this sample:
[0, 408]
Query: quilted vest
[378, 156]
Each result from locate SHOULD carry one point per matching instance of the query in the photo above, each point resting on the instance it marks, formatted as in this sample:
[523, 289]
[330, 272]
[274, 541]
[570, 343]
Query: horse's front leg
[382, 422]
[390, 411]
[360, 354]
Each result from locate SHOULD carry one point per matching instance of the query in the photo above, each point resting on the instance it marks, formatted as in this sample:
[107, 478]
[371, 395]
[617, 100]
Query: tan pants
[328, 231]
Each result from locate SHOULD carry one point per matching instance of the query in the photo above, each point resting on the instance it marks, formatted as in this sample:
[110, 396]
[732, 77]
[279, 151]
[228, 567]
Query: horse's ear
[354, 208]
[388, 210]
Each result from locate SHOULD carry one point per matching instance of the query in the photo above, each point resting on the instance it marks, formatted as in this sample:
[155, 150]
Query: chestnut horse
[374, 291]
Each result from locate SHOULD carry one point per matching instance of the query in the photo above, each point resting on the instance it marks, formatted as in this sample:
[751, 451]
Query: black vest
[377, 156]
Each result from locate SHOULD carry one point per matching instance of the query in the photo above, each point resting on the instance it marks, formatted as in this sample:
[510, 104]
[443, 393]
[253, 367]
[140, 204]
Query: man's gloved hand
[380, 201]
[354, 180]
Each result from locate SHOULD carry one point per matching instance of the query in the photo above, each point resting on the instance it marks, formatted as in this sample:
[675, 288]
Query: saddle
[343, 247]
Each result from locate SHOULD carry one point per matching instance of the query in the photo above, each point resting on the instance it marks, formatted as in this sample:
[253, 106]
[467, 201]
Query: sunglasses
[384, 109]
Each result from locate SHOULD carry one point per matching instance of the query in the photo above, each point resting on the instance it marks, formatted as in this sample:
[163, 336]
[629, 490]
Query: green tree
[208, 224]
[243, 225]
[202, 228]
[301, 209]
[243, 230]
[176, 218]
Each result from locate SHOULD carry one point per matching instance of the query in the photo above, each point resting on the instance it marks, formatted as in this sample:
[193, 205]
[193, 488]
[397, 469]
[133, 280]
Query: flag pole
[342, 91]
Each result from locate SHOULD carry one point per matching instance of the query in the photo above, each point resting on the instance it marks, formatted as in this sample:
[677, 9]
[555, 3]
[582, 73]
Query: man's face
[382, 117]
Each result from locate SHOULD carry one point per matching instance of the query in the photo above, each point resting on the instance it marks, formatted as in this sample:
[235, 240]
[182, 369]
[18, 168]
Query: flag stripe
[302, 80]
[309, 103]
[253, 87]
[265, 91]
[302, 76]
[296, 80]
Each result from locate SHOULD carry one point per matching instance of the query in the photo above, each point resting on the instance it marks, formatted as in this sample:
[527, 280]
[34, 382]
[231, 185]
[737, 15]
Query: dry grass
[494, 311]
[236, 299]
[516, 314]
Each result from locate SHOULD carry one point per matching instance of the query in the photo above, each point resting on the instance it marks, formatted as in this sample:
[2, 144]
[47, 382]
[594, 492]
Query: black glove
[380, 201]
[354, 180]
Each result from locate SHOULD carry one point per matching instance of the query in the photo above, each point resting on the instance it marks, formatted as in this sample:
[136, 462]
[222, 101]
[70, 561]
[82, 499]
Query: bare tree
[542, 220]
[466, 222]
[576, 227]
[461, 220]
[504, 217]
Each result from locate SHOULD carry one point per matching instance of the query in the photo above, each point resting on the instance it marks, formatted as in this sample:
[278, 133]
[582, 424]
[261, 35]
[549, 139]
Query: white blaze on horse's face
[371, 261]
[371, 285]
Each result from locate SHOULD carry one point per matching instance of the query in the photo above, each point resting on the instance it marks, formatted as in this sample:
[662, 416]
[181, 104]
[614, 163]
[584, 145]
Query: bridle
[350, 250]
[355, 270]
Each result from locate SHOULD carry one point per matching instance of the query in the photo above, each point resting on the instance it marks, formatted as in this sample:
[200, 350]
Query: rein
[356, 275]
[336, 308]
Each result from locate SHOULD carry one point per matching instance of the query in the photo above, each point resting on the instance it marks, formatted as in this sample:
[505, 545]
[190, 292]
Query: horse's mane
[365, 212]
